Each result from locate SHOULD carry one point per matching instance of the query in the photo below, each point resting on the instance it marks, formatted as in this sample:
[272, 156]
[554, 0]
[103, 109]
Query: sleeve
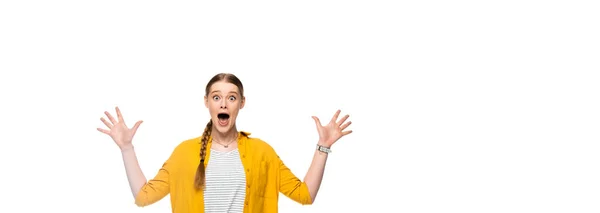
[157, 188]
[291, 186]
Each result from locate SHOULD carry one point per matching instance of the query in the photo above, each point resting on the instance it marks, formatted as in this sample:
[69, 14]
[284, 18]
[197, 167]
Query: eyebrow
[220, 91]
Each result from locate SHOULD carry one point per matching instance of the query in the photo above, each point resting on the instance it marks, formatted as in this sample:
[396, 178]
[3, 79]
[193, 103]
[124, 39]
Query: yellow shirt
[266, 176]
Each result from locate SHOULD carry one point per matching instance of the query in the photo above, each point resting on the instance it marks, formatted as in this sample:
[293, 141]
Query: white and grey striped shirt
[225, 182]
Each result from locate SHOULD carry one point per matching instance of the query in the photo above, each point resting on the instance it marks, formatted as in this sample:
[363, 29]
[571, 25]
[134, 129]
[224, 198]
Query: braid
[200, 178]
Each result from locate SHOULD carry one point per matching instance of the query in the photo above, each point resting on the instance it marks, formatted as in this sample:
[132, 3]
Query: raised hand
[333, 131]
[118, 131]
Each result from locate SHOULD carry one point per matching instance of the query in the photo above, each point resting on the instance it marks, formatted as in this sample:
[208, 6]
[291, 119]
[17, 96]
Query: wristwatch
[323, 149]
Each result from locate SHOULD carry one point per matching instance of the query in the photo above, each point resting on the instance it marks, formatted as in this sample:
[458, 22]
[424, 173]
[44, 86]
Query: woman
[224, 170]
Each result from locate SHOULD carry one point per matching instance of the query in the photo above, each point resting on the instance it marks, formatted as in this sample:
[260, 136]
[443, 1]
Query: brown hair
[229, 78]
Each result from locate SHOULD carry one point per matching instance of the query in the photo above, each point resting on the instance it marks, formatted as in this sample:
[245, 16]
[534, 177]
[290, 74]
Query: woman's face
[224, 101]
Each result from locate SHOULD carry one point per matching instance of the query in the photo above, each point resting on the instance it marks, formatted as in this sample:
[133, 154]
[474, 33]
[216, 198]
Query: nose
[223, 105]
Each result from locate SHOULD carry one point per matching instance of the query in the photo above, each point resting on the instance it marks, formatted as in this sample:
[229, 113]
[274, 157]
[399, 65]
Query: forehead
[223, 87]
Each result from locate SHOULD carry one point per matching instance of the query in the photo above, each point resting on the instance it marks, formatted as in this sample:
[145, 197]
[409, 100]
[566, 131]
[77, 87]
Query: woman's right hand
[118, 131]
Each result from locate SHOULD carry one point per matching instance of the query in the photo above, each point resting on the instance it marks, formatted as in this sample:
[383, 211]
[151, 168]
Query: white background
[457, 106]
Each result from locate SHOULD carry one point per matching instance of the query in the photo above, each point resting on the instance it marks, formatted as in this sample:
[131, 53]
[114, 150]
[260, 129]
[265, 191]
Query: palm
[333, 130]
[118, 130]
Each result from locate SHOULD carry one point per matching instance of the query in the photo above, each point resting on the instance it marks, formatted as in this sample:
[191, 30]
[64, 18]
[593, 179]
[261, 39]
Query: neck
[224, 137]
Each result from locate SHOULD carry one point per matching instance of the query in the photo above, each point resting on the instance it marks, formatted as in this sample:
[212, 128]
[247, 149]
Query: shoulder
[186, 146]
[259, 146]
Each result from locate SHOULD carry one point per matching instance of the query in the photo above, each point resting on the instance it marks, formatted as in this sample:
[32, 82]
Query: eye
[216, 98]
[232, 98]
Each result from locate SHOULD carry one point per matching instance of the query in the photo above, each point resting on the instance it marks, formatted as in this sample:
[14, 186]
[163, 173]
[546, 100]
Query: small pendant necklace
[226, 145]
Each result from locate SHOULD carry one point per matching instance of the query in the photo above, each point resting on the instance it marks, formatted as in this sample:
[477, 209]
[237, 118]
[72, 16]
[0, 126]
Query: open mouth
[223, 119]
[223, 116]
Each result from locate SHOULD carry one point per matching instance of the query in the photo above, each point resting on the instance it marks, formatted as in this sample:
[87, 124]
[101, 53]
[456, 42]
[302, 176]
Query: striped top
[225, 182]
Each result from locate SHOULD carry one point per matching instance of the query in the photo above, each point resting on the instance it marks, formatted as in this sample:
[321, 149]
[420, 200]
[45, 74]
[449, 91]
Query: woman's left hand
[333, 131]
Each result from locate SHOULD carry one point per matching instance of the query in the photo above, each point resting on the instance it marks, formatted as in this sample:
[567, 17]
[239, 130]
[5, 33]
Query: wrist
[126, 148]
[324, 144]
[323, 149]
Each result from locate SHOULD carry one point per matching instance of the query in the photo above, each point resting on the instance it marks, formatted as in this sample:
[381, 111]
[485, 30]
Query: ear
[206, 101]
[243, 102]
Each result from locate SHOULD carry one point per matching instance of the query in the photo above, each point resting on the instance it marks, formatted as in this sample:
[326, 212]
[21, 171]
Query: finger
[110, 117]
[136, 125]
[346, 132]
[119, 115]
[343, 119]
[317, 121]
[106, 123]
[335, 116]
[346, 125]
[103, 131]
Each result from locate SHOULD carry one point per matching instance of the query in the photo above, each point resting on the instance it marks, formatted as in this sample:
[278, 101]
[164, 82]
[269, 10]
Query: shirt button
[243, 156]
[247, 170]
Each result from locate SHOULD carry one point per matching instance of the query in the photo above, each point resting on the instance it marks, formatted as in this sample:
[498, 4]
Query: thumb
[317, 121]
[136, 126]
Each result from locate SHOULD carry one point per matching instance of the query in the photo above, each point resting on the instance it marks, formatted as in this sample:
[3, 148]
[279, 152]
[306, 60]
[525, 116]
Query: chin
[223, 129]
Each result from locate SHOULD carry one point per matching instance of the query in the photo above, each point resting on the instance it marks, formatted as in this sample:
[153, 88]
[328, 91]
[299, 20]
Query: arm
[328, 135]
[304, 192]
[314, 176]
[135, 176]
[291, 186]
[145, 192]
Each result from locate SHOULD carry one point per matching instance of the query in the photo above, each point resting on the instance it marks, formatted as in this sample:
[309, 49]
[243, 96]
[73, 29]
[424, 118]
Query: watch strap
[323, 149]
